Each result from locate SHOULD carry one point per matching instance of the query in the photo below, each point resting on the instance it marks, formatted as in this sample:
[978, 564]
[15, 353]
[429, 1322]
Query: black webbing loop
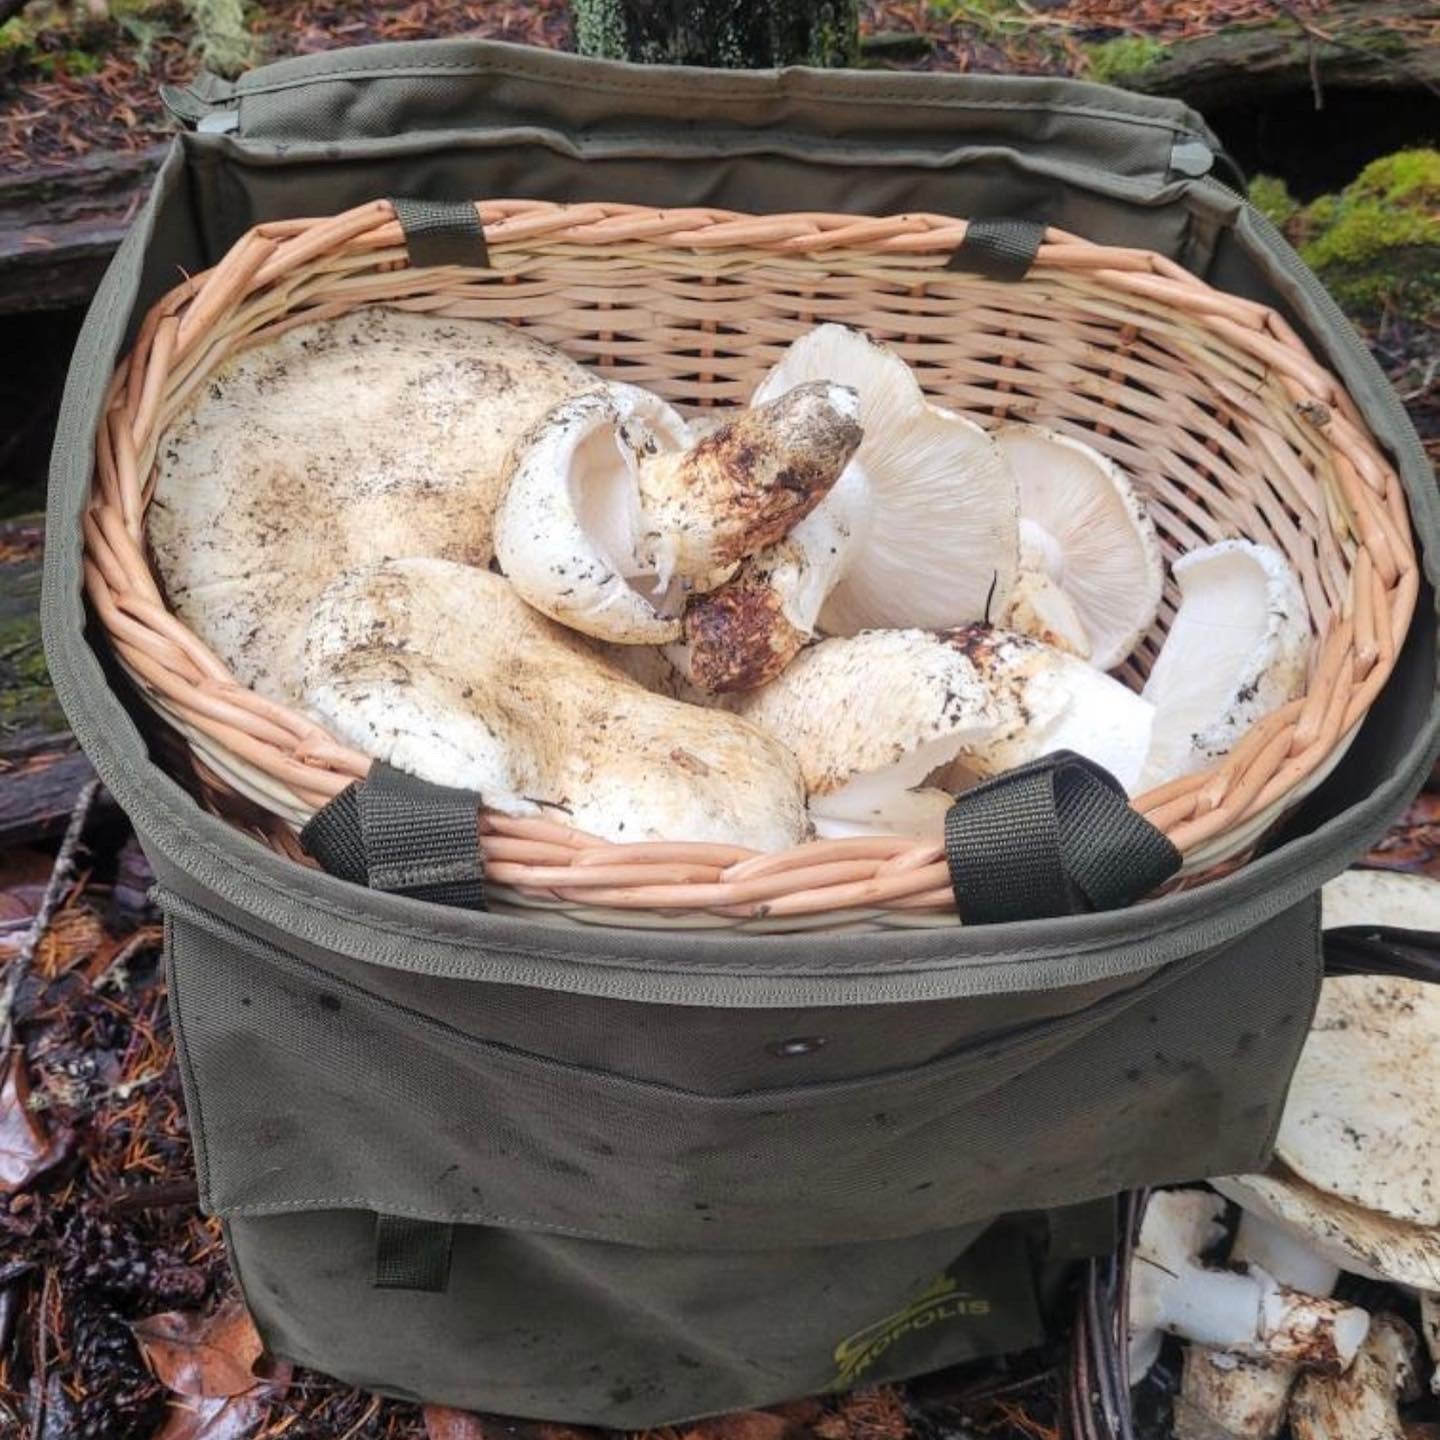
[412, 1254]
[394, 832]
[442, 232]
[998, 249]
[1055, 837]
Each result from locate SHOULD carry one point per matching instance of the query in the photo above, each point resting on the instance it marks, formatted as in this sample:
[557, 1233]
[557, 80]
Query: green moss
[1377, 243]
[222, 39]
[1113, 61]
[1272, 197]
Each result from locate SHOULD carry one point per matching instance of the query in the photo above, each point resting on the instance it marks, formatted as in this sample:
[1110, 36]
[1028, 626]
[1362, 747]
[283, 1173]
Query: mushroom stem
[744, 485]
[1430, 1329]
[1247, 1312]
[1361, 1404]
[1229, 1395]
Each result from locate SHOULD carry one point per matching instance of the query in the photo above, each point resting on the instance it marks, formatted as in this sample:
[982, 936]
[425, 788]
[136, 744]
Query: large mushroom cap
[1085, 531]
[1363, 1117]
[1238, 649]
[939, 527]
[339, 444]
[1357, 1240]
[443, 671]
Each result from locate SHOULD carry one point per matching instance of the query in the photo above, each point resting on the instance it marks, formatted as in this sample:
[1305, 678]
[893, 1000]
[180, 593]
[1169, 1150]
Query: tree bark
[731, 34]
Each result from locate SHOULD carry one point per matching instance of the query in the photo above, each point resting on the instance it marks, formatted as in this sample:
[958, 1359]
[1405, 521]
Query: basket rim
[180, 676]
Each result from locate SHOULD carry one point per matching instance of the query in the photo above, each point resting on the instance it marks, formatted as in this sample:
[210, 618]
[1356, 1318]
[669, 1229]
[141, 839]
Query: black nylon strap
[1055, 837]
[412, 1254]
[442, 232]
[394, 832]
[998, 249]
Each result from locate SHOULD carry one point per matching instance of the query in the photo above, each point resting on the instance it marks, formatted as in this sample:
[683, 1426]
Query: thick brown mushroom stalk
[1243, 1311]
[1364, 1402]
[920, 530]
[615, 513]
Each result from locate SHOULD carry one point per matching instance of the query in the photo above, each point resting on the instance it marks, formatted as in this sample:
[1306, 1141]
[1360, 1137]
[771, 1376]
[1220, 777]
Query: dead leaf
[216, 1418]
[874, 1414]
[206, 1356]
[743, 1425]
[443, 1423]
[26, 1151]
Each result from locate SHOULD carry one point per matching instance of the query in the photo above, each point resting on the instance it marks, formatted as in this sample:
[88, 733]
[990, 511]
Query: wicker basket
[1211, 403]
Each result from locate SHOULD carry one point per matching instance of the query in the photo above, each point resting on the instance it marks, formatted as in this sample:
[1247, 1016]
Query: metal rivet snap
[801, 1045]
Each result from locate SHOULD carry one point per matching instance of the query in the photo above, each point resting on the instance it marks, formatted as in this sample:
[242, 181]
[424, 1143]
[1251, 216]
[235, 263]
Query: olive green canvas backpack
[628, 1176]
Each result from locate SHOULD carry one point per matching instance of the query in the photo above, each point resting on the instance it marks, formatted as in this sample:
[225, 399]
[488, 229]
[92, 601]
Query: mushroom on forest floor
[339, 444]
[920, 530]
[443, 671]
[1244, 1311]
[1363, 1402]
[1090, 569]
[1237, 649]
[871, 716]
[615, 513]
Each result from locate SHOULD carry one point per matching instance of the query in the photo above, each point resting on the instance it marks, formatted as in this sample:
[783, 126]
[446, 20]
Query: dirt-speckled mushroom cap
[444, 672]
[1363, 1117]
[1357, 1240]
[339, 444]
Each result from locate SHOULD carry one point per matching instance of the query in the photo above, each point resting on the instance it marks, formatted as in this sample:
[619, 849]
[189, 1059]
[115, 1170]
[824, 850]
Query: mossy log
[729, 34]
[1354, 45]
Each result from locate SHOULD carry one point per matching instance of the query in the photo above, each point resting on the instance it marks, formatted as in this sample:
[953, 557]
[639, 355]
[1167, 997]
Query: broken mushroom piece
[1090, 569]
[1238, 648]
[339, 444]
[444, 672]
[1363, 1116]
[920, 530]
[1363, 1403]
[614, 514]
[1247, 1311]
[873, 716]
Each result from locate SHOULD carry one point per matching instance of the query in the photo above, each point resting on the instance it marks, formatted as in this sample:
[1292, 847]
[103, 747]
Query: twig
[1314, 33]
[60, 875]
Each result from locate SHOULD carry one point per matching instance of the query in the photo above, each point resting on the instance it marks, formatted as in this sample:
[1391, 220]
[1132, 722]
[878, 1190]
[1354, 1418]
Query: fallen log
[59, 227]
[1354, 44]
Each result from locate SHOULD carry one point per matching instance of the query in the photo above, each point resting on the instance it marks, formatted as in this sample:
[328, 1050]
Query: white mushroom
[443, 671]
[873, 715]
[339, 444]
[920, 530]
[1387, 898]
[1362, 1403]
[1089, 556]
[1222, 1394]
[1363, 1117]
[614, 513]
[1238, 649]
[1245, 1311]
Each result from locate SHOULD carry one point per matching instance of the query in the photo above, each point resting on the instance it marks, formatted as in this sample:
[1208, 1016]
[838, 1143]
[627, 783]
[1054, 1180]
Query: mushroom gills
[443, 671]
[1090, 574]
[1238, 648]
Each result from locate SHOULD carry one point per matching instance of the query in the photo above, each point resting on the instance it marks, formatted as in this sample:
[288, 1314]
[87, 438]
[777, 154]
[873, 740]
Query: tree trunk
[733, 34]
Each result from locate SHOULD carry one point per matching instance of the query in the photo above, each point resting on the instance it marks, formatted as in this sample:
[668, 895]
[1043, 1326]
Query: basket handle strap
[999, 249]
[1055, 837]
[394, 832]
[442, 232]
